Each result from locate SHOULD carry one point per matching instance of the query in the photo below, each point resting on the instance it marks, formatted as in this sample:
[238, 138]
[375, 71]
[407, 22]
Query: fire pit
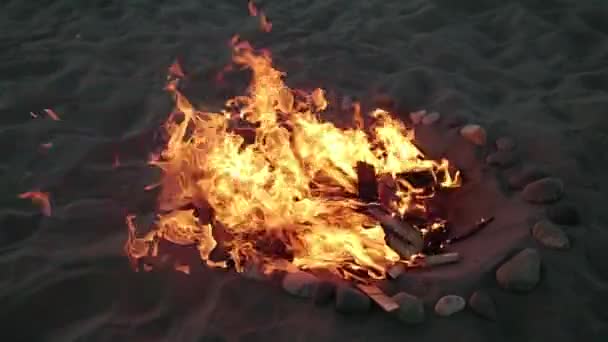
[265, 186]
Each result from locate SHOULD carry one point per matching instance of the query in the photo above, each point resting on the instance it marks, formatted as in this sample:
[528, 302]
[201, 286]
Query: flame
[278, 180]
[265, 24]
[51, 113]
[41, 199]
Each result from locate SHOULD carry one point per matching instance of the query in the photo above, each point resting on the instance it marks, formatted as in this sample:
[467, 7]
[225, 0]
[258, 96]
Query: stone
[431, 118]
[324, 292]
[474, 133]
[563, 213]
[502, 158]
[483, 305]
[521, 273]
[449, 305]
[544, 190]
[300, 284]
[550, 235]
[417, 116]
[411, 308]
[505, 144]
[597, 253]
[350, 300]
[521, 178]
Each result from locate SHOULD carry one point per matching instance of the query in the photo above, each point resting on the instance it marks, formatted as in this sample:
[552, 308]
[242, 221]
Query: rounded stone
[324, 292]
[411, 308]
[350, 300]
[550, 235]
[431, 118]
[474, 133]
[563, 213]
[521, 178]
[521, 273]
[483, 305]
[544, 190]
[300, 284]
[417, 116]
[449, 305]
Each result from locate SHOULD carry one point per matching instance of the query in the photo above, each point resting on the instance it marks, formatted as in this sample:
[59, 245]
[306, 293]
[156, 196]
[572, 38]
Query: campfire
[266, 182]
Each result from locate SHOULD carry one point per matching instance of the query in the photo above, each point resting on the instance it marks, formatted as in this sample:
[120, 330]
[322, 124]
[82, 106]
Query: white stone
[474, 133]
[550, 235]
[301, 284]
[431, 118]
[417, 116]
[449, 305]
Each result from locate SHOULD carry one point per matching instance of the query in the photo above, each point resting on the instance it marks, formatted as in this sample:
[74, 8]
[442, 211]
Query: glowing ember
[41, 199]
[282, 185]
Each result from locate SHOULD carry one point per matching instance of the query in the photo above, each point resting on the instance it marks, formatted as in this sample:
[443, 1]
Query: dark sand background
[535, 70]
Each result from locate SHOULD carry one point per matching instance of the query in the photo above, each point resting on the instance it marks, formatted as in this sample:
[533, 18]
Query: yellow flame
[295, 182]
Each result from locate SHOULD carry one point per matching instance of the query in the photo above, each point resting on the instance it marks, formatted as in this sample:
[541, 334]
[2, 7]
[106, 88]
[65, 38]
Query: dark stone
[411, 308]
[521, 273]
[350, 300]
[520, 178]
[324, 292]
[300, 284]
[563, 213]
[483, 305]
[545, 190]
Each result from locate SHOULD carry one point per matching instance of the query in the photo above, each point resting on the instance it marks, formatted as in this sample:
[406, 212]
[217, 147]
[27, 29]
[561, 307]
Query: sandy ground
[534, 70]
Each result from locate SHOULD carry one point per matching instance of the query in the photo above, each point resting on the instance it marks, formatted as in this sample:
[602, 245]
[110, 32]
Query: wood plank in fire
[384, 301]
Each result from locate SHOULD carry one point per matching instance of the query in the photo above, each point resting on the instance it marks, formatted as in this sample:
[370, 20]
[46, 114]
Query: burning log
[367, 185]
[387, 189]
[384, 301]
[403, 236]
[403, 248]
[438, 260]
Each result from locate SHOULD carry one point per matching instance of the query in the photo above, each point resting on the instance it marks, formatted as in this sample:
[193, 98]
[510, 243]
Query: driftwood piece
[387, 188]
[402, 247]
[367, 184]
[384, 301]
[396, 270]
[438, 259]
[472, 231]
[400, 229]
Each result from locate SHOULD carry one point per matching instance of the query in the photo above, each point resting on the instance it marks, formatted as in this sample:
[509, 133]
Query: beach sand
[536, 71]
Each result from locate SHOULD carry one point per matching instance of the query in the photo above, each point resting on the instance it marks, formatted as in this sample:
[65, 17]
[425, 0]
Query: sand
[533, 70]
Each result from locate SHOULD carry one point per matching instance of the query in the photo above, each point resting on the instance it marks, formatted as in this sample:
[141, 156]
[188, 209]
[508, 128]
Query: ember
[270, 183]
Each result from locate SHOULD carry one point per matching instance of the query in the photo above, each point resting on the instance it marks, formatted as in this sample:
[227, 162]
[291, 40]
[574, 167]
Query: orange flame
[294, 182]
[51, 113]
[40, 199]
[265, 24]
